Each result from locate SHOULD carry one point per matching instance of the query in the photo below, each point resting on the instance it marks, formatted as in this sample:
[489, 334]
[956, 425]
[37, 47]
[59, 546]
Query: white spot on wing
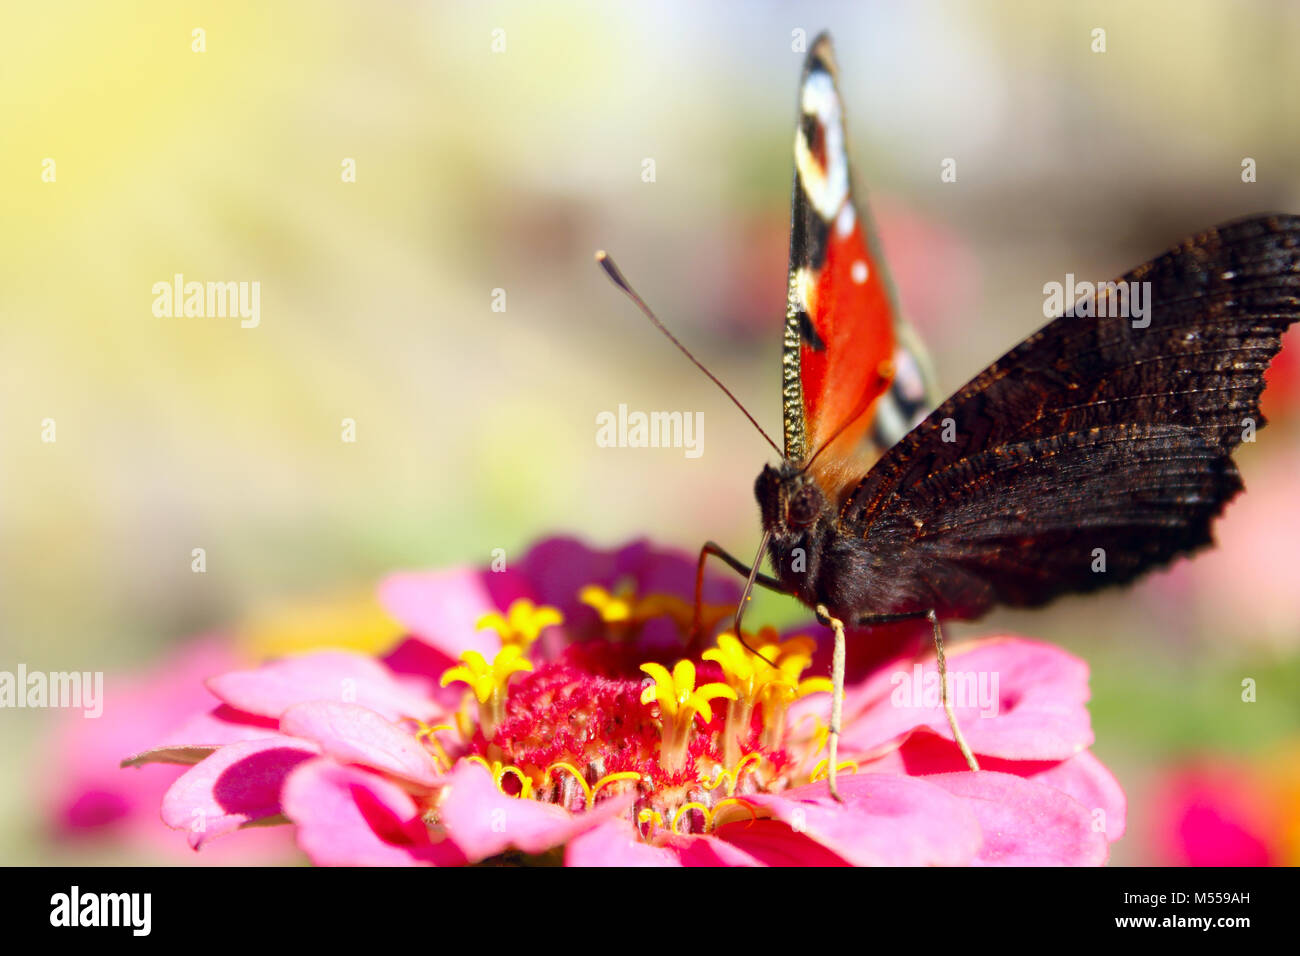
[845, 221]
[803, 285]
[859, 272]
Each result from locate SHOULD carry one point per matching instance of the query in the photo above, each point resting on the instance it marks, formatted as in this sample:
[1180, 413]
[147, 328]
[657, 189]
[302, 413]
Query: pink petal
[884, 820]
[1082, 776]
[1037, 712]
[237, 785]
[866, 649]
[1026, 823]
[350, 817]
[442, 608]
[353, 734]
[84, 795]
[559, 568]
[711, 850]
[420, 666]
[615, 843]
[1093, 786]
[203, 733]
[273, 688]
[90, 809]
[670, 571]
[773, 843]
[483, 821]
[81, 773]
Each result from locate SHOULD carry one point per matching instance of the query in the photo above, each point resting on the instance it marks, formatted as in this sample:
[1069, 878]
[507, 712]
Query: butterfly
[1096, 450]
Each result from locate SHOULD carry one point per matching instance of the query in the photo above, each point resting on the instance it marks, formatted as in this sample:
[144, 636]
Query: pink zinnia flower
[560, 709]
[91, 805]
[93, 809]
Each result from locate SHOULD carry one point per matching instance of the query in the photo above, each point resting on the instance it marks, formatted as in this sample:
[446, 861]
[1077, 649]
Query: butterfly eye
[804, 507]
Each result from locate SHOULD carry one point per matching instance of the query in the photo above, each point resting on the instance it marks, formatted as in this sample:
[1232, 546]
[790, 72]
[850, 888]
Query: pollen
[680, 702]
[522, 623]
[488, 681]
[759, 684]
[499, 771]
[625, 607]
[608, 716]
[787, 685]
[438, 752]
[677, 694]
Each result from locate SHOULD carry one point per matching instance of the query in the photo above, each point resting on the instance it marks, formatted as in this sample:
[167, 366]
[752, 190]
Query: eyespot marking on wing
[819, 146]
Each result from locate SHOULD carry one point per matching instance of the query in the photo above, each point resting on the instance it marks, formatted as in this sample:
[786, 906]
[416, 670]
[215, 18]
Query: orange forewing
[854, 320]
[842, 347]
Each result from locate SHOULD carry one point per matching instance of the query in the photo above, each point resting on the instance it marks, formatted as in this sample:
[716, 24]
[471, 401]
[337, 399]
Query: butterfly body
[815, 561]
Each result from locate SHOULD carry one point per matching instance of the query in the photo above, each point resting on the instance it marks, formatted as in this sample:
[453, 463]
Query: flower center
[601, 720]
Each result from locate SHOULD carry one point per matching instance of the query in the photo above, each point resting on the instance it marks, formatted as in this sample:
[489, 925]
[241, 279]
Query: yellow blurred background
[481, 169]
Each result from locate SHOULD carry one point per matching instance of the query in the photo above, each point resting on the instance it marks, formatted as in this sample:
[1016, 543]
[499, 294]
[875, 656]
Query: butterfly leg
[943, 694]
[837, 696]
[744, 570]
[933, 618]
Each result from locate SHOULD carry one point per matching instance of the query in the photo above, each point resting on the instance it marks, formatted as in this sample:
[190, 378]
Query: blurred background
[495, 147]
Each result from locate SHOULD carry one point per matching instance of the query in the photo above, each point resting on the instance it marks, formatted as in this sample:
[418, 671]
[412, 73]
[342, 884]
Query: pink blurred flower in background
[1281, 399]
[92, 804]
[595, 729]
[1217, 810]
[1246, 585]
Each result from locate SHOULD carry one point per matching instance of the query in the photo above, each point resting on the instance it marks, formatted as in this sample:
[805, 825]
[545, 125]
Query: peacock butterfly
[1099, 434]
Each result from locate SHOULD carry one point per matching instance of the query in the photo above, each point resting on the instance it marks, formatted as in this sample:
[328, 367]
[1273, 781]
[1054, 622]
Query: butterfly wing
[1097, 449]
[850, 367]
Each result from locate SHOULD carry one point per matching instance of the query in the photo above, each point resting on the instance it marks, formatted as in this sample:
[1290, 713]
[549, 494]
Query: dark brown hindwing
[1093, 439]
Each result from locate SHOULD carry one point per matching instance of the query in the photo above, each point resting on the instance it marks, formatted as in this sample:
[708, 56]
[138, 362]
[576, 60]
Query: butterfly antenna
[617, 278]
[744, 599]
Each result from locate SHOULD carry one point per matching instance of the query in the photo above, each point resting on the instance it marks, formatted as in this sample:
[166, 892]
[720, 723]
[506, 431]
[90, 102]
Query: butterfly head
[790, 500]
